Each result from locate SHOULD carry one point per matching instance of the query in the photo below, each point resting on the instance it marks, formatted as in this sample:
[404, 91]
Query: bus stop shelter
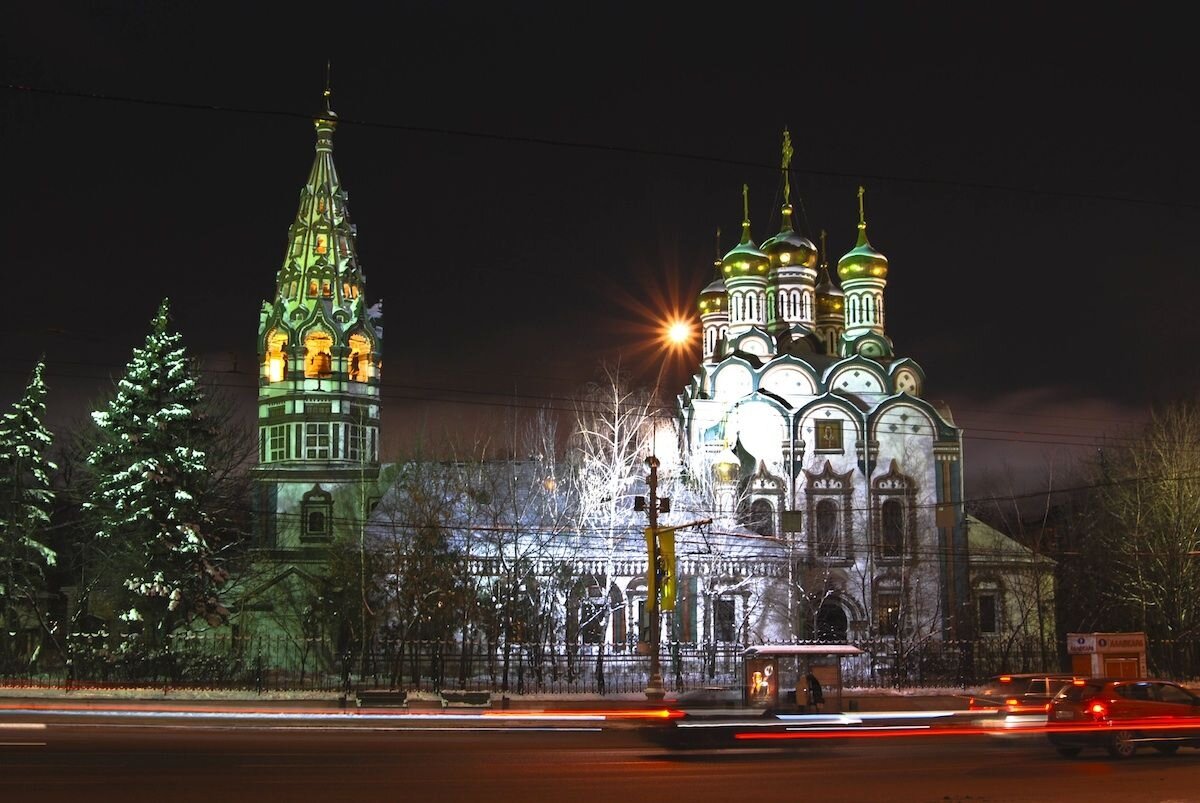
[769, 667]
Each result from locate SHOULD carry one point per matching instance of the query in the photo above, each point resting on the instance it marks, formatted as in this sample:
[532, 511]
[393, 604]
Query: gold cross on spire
[745, 203]
[862, 215]
[787, 163]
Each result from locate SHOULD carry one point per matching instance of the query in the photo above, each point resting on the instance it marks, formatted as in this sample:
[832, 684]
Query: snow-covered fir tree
[150, 478]
[25, 501]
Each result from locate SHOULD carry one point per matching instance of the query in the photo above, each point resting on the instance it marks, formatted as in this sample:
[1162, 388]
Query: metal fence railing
[278, 663]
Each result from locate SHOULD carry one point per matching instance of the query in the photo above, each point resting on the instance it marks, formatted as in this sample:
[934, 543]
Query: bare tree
[1146, 517]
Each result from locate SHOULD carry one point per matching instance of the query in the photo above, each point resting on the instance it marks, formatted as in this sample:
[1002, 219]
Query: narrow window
[987, 614]
[892, 536]
[827, 529]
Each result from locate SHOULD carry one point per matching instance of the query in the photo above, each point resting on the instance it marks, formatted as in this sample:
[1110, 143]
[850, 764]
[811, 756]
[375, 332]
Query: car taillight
[1097, 709]
[1011, 701]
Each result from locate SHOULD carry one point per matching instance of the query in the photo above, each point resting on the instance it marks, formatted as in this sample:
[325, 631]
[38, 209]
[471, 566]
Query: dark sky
[528, 181]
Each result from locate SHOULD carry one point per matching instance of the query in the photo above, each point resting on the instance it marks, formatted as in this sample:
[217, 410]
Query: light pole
[654, 688]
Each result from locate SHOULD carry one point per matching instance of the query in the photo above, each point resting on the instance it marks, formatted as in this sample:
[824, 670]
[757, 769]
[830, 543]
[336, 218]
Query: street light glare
[679, 333]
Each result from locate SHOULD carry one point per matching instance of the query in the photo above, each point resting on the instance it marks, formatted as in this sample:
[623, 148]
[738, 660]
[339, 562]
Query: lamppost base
[654, 689]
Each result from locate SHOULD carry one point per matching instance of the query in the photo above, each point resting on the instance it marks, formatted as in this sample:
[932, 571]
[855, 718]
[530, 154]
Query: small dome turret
[789, 247]
[830, 298]
[745, 260]
[862, 261]
[713, 298]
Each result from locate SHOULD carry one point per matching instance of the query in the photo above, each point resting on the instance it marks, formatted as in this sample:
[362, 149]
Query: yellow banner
[666, 556]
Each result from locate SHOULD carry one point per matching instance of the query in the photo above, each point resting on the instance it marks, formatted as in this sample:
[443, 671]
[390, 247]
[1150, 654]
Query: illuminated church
[820, 434]
[834, 485]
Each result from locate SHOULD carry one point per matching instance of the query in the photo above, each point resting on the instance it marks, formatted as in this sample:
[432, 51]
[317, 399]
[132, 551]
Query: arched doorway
[832, 624]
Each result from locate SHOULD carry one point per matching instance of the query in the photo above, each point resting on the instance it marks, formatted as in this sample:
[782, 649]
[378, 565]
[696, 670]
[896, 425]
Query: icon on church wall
[829, 436]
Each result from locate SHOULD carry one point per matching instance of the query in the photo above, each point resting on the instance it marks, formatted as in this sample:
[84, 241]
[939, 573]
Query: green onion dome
[788, 247]
[863, 261]
[745, 259]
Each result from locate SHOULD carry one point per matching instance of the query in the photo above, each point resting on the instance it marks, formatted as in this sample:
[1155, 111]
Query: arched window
[275, 362]
[762, 517]
[827, 528]
[359, 368]
[313, 288]
[318, 354]
[892, 529]
[316, 510]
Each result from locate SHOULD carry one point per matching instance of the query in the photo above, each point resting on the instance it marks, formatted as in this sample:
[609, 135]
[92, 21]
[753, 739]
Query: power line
[587, 146]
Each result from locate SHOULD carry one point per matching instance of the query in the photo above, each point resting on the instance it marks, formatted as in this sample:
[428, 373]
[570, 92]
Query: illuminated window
[316, 441]
[326, 289]
[318, 360]
[276, 360]
[320, 206]
[359, 364]
[345, 289]
[887, 610]
[322, 243]
[313, 288]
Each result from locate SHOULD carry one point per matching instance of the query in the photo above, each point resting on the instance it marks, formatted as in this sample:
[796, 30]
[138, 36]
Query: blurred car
[1028, 693]
[711, 697]
[1121, 714]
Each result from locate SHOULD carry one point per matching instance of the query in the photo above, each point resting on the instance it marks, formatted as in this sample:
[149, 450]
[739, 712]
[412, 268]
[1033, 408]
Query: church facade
[820, 435]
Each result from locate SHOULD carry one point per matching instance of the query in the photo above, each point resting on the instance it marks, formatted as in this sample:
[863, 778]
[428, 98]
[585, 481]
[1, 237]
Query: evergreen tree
[150, 480]
[26, 499]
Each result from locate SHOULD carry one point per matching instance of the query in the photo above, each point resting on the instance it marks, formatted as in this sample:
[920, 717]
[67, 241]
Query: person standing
[816, 697]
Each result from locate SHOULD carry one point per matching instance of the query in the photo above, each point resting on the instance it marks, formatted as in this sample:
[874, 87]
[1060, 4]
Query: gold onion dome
[862, 260]
[830, 298]
[712, 298]
[789, 247]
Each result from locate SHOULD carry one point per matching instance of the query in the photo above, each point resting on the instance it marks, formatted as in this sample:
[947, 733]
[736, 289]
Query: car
[1028, 693]
[711, 697]
[1122, 714]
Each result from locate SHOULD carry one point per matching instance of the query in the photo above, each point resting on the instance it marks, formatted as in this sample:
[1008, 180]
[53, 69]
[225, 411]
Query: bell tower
[319, 347]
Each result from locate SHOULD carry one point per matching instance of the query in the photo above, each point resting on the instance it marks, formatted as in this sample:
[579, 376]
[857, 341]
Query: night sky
[531, 183]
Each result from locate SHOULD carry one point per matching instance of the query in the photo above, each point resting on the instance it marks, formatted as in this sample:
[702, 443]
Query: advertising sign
[762, 682]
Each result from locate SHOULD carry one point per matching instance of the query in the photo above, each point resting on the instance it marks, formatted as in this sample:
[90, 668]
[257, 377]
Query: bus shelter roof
[778, 650]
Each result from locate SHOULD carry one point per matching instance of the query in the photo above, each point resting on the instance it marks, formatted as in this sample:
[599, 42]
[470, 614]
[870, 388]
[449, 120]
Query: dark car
[1028, 693]
[711, 697]
[1121, 714]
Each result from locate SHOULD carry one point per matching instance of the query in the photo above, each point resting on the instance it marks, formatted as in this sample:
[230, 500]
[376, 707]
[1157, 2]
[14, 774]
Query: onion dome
[830, 298]
[789, 247]
[862, 261]
[745, 259]
[712, 298]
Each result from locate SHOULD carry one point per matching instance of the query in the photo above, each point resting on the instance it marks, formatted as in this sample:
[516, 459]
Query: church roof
[321, 262]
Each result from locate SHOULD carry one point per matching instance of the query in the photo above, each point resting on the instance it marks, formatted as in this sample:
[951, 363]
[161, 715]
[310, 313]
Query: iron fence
[279, 663]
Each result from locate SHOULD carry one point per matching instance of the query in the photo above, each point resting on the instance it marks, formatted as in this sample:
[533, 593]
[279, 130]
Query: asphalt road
[89, 758]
